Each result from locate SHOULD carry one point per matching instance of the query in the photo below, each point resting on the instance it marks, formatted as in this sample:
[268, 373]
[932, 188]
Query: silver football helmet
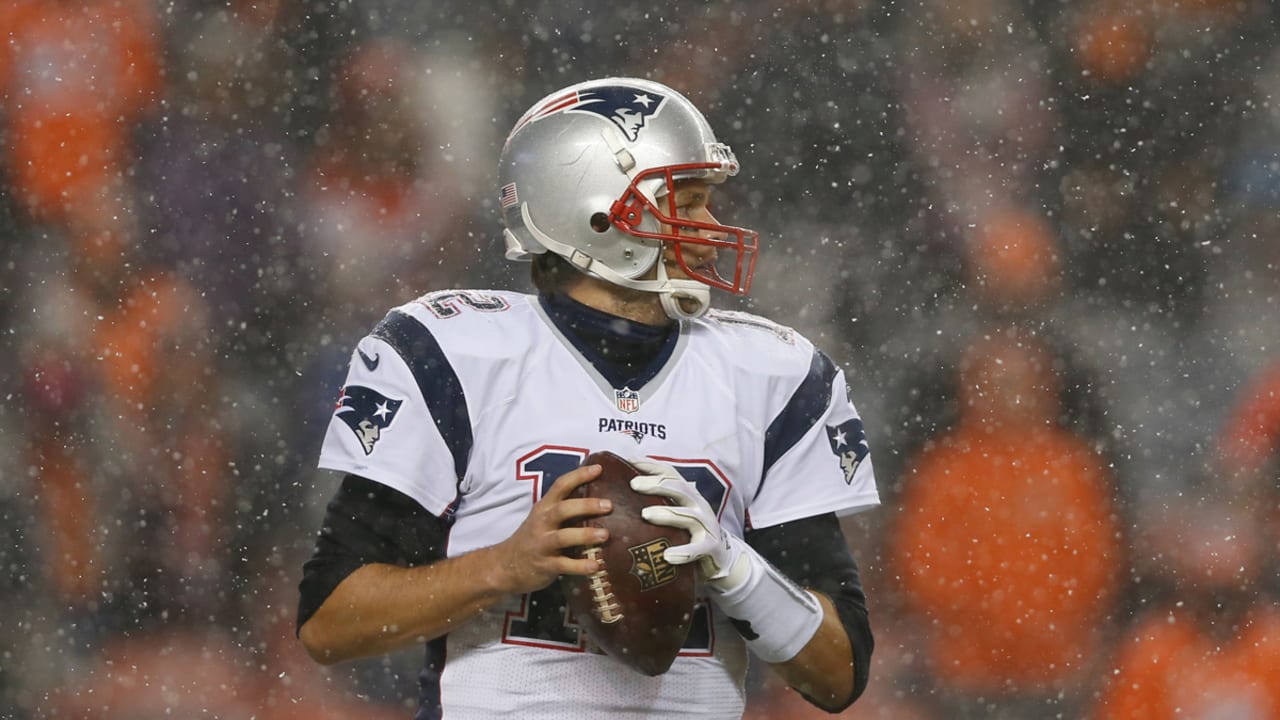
[588, 173]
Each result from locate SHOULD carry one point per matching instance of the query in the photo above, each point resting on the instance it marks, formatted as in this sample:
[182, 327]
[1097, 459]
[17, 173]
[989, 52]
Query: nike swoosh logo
[369, 362]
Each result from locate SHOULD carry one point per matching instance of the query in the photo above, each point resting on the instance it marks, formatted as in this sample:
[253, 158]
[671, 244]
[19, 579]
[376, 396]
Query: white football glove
[718, 552]
[781, 616]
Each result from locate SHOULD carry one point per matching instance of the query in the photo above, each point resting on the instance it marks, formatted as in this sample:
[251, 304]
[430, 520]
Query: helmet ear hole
[600, 222]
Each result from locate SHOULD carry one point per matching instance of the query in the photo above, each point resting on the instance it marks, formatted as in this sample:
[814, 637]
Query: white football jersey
[472, 403]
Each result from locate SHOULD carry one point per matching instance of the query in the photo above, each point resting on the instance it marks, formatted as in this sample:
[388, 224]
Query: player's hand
[716, 550]
[533, 557]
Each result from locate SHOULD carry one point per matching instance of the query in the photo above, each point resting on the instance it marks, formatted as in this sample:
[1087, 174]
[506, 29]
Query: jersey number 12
[544, 619]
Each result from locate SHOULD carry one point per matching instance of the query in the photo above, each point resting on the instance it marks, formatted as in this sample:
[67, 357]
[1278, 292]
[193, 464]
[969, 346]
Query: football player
[466, 415]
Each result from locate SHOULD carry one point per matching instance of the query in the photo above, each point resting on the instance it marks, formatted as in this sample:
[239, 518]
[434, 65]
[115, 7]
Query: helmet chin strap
[671, 293]
[681, 292]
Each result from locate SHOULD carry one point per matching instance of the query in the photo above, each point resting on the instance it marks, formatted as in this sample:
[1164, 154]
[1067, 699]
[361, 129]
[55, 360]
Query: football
[638, 607]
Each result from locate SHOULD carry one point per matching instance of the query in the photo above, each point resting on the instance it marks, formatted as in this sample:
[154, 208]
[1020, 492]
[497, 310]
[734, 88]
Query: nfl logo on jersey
[628, 400]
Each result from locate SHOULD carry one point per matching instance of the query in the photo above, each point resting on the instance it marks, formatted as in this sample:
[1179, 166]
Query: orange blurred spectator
[1213, 649]
[1013, 260]
[380, 199]
[60, 389]
[1112, 41]
[1117, 41]
[161, 320]
[1250, 455]
[1006, 542]
[1250, 445]
[171, 437]
[75, 77]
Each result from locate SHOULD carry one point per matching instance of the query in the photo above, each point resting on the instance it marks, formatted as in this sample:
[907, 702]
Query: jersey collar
[618, 352]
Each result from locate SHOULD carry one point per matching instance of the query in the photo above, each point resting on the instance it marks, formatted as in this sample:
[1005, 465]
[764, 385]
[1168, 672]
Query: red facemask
[735, 247]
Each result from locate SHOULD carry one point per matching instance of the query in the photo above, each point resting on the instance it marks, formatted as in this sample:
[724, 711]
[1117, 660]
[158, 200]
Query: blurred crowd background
[1042, 237]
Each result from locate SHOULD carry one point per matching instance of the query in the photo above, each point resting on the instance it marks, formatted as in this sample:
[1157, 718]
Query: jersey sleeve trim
[436, 379]
[858, 503]
[805, 408]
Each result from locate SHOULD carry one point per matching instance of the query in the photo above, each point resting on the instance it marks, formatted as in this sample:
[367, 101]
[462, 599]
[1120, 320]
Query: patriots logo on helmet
[367, 412]
[626, 107]
[849, 443]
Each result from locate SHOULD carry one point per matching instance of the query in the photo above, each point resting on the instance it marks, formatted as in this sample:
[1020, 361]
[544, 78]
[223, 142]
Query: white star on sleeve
[841, 439]
[382, 410]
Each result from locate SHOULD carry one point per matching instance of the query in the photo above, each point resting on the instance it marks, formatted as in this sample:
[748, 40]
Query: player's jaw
[696, 257]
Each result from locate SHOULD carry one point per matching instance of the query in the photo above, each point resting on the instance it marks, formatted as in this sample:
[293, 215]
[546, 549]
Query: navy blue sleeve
[813, 552]
[367, 522]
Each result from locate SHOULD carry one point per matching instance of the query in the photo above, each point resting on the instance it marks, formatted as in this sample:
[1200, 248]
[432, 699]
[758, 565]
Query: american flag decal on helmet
[508, 196]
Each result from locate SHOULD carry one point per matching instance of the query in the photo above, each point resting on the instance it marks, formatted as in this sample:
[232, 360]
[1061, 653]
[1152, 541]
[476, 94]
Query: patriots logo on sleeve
[367, 412]
[849, 443]
[626, 107]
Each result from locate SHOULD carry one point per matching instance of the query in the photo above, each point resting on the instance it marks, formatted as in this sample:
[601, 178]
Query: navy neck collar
[627, 353]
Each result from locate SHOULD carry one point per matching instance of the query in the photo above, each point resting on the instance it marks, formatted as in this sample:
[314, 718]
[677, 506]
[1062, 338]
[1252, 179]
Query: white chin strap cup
[680, 293]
